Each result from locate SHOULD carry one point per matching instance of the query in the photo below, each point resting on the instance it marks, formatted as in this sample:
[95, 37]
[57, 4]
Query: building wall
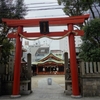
[58, 53]
[36, 49]
[64, 44]
[41, 52]
[31, 49]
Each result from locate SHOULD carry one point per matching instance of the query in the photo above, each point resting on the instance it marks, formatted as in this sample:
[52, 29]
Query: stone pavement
[48, 92]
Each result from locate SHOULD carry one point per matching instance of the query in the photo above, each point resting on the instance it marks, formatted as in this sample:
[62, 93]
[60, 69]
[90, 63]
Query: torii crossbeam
[69, 21]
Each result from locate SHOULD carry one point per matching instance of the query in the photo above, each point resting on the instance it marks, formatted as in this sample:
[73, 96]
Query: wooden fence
[89, 68]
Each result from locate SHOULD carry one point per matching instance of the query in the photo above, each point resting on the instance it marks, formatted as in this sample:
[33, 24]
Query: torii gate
[69, 21]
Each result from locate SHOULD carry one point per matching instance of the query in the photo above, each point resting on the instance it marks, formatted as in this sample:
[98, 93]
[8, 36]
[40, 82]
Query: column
[17, 64]
[73, 63]
[29, 71]
[65, 67]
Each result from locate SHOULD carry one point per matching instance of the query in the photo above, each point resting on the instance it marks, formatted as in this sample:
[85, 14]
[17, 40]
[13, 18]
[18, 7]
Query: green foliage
[90, 48]
[9, 10]
[20, 9]
[78, 7]
[74, 7]
[5, 50]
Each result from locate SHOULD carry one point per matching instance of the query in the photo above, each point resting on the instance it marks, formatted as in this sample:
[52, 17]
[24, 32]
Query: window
[43, 50]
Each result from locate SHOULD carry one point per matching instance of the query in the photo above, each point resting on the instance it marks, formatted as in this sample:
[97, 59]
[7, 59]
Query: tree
[10, 10]
[20, 9]
[79, 7]
[90, 48]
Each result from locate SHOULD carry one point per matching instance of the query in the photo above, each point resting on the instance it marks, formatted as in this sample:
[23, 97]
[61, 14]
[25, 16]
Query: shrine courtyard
[43, 91]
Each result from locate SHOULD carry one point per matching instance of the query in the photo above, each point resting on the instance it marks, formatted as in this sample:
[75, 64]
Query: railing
[89, 68]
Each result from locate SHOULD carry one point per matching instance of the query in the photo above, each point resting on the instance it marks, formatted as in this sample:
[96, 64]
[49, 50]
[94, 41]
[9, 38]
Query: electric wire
[44, 6]
[41, 3]
[48, 7]
[62, 15]
[44, 9]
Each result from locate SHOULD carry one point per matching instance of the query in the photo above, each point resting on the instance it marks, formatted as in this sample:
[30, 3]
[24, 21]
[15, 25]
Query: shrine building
[49, 65]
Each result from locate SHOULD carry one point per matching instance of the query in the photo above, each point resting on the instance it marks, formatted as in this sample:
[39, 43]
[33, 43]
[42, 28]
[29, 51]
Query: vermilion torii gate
[69, 21]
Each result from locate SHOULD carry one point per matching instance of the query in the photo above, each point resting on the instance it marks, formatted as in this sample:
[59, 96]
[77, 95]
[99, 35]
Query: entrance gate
[69, 21]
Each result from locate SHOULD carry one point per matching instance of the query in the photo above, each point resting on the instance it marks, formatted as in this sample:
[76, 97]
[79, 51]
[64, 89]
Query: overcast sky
[36, 6]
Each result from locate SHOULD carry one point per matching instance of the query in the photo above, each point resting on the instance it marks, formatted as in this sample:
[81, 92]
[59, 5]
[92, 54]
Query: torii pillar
[18, 53]
[73, 63]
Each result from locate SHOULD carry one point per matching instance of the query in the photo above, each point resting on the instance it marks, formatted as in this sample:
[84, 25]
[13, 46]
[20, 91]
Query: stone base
[15, 96]
[67, 92]
[25, 92]
[90, 86]
[76, 96]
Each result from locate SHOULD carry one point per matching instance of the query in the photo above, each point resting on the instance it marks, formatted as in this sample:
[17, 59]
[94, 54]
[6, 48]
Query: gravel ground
[59, 79]
[43, 91]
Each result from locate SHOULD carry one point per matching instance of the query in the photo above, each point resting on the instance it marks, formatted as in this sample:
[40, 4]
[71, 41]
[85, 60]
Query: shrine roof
[50, 60]
[51, 56]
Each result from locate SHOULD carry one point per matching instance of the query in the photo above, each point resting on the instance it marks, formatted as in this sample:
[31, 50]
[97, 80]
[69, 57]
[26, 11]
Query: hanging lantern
[43, 69]
[57, 68]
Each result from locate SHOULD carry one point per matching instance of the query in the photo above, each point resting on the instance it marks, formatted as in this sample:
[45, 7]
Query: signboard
[44, 27]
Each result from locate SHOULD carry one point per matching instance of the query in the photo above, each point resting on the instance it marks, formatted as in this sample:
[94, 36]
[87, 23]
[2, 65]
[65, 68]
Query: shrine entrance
[49, 65]
[44, 32]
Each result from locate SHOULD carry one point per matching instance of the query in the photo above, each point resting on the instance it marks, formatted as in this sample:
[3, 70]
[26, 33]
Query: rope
[49, 37]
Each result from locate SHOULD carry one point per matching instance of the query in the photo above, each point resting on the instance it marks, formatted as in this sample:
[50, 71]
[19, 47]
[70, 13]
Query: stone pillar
[29, 69]
[65, 66]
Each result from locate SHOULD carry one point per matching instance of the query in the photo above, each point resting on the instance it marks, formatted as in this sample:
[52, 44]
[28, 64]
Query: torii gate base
[70, 21]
